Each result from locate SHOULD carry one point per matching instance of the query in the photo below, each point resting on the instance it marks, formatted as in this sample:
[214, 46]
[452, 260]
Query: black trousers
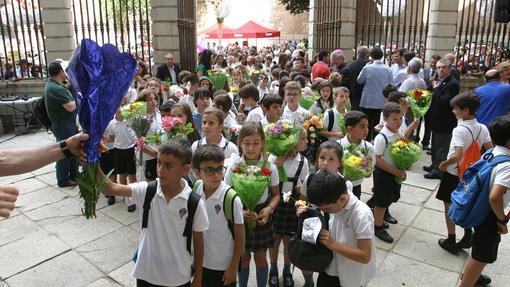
[213, 278]
[373, 120]
[142, 283]
[426, 134]
[325, 280]
[439, 148]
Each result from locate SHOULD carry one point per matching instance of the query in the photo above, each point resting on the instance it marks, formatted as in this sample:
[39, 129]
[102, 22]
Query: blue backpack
[470, 200]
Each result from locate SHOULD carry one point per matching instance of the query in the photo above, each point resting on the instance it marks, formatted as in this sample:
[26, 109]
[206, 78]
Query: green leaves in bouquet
[91, 188]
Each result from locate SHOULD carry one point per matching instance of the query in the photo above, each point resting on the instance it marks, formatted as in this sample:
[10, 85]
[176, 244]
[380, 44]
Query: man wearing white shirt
[413, 80]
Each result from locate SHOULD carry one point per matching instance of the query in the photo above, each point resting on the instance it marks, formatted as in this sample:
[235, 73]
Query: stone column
[348, 35]
[441, 38]
[165, 35]
[312, 31]
[58, 29]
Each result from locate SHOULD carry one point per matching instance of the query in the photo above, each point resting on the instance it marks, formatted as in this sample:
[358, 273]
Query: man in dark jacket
[350, 74]
[442, 119]
[169, 70]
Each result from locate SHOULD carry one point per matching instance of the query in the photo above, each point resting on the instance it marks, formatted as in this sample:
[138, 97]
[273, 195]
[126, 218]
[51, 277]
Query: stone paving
[47, 242]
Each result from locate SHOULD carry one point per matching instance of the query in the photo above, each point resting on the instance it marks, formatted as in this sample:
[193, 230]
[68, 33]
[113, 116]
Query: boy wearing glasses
[292, 111]
[221, 253]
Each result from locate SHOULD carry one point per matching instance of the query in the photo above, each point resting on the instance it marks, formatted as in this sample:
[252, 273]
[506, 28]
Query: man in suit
[169, 70]
[351, 72]
[429, 75]
[442, 119]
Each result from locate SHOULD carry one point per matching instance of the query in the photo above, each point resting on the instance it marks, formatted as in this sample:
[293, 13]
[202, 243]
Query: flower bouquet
[307, 100]
[218, 78]
[313, 126]
[281, 137]
[254, 75]
[166, 84]
[172, 127]
[139, 121]
[357, 163]
[404, 153]
[175, 92]
[232, 133]
[100, 78]
[250, 182]
[341, 123]
[419, 101]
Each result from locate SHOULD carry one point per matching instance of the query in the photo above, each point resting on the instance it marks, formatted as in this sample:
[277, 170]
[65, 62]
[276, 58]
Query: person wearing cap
[337, 60]
[61, 108]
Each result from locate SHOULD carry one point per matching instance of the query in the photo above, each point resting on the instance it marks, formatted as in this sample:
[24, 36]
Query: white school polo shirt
[344, 142]
[291, 166]
[382, 148]
[255, 115]
[156, 126]
[355, 221]
[274, 178]
[124, 135]
[162, 255]
[501, 173]
[228, 147]
[336, 122]
[461, 137]
[219, 245]
[296, 117]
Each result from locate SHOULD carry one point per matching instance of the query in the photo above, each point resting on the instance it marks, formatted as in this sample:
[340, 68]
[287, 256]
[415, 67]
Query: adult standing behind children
[494, 98]
[169, 70]
[350, 74]
[375, 77]
[442, 119]
[61, 109]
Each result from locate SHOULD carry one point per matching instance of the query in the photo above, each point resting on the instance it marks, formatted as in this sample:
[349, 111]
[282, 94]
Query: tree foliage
[296, 6]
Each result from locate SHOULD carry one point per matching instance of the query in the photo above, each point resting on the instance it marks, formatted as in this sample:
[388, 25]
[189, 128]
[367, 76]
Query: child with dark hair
[326, 100]
[192, 85]
[487, 235]
[223, 102]
[333, 116]
[183, 112]
[468, 130]
[356, 123]
[272, 107]
[202, 100]
[221, 253]
[158, 248]
[249, 98]
[351, 231]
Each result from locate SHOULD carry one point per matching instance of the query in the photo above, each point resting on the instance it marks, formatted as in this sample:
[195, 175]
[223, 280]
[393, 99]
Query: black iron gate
[186, 24]
[123, 23]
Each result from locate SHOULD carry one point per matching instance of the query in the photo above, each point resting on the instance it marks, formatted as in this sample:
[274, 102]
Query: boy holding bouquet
[334, 122]
[359, 155]
[386, 189]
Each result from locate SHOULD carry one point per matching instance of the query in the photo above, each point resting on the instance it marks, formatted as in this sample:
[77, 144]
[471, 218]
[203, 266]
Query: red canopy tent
[254, 30]
[212, 32]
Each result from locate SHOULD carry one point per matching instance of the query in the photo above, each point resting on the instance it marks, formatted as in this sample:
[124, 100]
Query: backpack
[470, 200]
[228, 205]
[192, 204]
[331, 122]
[471, 155]
[306, 255]
[41, 113]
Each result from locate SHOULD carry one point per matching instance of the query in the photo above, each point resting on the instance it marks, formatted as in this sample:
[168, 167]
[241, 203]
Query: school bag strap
[331, 119]
[152, 187]
[192, 205]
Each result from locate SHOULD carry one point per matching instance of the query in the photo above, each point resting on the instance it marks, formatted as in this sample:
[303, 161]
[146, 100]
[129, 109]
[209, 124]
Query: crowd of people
[362, 103]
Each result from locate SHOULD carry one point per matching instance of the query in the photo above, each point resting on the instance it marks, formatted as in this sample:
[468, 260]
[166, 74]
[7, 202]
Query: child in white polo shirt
[350, 235]
[292, 111]
[222, 252]
[333, 116]
[163, 258]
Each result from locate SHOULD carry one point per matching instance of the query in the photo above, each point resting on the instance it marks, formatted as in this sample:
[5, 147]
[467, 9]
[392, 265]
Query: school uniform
[296, 117]
[354, 222]
[462, 136]
[336, 122]
[386, 189]
[107, 159]
[228, 147]
[255, 115]
[230, 120]
[161, 243]
[189, 100]
[284, 216]
[262, 237]
[403, 126]
[124, 144]
[344, 142]
[218, 245]
[150, 161]
[319, 107]
[486, 237]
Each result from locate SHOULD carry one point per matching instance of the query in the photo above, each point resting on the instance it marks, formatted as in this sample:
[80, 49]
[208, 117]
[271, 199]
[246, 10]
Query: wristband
[504, 221]
[65, 149]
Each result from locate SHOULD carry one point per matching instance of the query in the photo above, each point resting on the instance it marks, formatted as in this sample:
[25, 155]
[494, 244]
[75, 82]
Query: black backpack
[41, 113]
[305, 255]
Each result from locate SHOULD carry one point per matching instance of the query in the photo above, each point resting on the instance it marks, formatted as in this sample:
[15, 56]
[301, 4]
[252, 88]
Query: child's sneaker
[466, 241]
[382, 234]
[273, 280]
[131, 208]
[448, 245]
[287, 280]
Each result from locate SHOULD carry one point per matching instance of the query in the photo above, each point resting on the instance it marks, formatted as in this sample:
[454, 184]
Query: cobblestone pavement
[47, 242]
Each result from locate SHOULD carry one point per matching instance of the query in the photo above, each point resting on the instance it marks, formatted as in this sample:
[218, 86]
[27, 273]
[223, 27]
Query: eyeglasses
[211, 170]
[153, 85]
[291, 95]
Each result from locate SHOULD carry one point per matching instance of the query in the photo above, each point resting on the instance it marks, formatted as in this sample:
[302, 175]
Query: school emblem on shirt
[217, 208]
[182, 212]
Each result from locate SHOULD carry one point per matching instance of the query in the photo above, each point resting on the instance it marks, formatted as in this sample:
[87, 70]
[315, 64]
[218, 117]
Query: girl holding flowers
[150, 150]
[183, 111]
[256, 181]
[284, 217]
[326, 100]
[334, 121]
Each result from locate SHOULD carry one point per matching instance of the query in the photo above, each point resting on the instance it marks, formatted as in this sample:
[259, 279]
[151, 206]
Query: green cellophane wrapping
[356, 165]
[280, 146]
[218, 79]
[250, 190]
[307, 101]
[404, 156]
[419, 108]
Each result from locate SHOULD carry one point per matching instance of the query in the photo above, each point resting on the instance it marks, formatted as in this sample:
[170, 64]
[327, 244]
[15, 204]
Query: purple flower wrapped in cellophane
[100, 77]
